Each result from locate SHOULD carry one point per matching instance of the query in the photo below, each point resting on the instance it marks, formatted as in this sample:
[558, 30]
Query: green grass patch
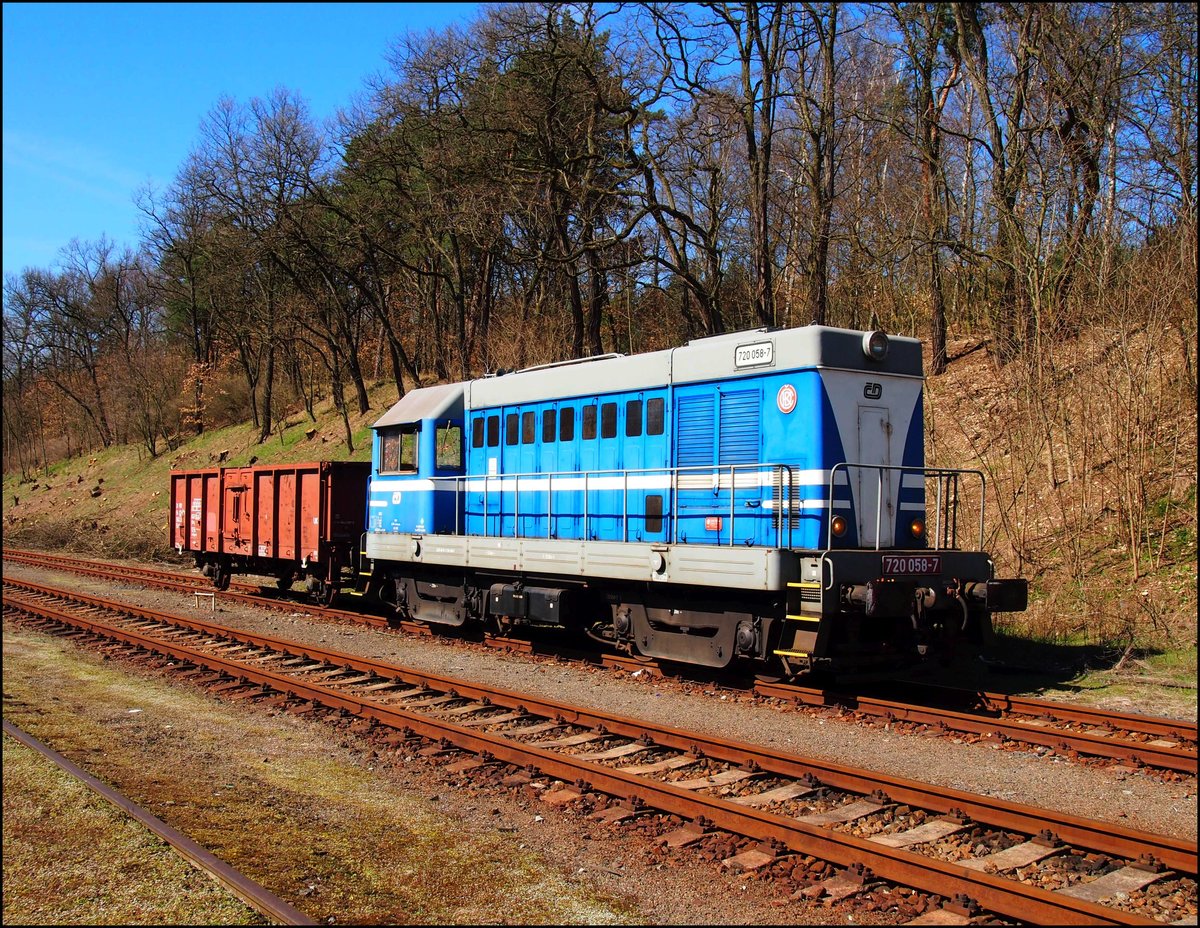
[111, 870]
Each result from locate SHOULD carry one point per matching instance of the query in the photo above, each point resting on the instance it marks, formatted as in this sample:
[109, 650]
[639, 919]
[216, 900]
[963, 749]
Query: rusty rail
[250, 892]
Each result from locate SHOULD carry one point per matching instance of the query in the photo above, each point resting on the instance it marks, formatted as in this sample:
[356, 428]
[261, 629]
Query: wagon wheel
[222, 577]
[284, 581]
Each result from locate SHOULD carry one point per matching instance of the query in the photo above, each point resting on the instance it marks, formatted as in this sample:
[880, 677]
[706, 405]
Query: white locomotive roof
[719, 357]
[441, 402]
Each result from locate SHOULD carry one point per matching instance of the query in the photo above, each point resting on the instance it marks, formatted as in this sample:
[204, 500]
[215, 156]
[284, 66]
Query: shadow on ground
[1020, 665]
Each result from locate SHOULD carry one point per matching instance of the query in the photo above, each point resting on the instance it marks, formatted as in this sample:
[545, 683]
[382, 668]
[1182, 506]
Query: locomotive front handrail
[945, 476]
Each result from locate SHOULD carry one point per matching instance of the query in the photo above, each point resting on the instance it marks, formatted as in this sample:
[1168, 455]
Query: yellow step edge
[803, 618]
[806, 584]
[792, 653]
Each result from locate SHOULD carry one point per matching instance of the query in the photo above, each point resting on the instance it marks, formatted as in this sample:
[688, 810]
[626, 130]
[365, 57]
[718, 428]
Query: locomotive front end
[899, 575]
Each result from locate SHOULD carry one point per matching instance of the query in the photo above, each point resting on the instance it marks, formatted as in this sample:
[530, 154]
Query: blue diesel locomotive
[757, 497]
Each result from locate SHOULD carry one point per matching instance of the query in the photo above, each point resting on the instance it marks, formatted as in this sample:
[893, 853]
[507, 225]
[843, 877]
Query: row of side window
[521, 428]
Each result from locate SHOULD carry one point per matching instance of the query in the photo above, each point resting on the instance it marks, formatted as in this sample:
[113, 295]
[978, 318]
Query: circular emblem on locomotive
[786, 400]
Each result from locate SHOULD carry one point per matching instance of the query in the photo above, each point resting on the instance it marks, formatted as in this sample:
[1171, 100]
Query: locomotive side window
[449, 446]
[528, 426]
[398, 450]
[655, 416]
[589, 422]
[608, 420]
[511, 426]
[493, 431]
[654, 514]
[566, 424]
[633, 418]
[389, 452]
[477, 432]
[548, 421]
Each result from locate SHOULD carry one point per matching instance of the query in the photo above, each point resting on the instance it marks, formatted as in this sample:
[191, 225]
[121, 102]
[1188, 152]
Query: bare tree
[1003, 100]
[751, 40]
[931, 56]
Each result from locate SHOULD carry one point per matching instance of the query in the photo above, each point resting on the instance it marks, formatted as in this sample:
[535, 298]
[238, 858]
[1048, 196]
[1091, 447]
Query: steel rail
[996, 893]
[169, 581]
[254, 895]
[984, 701]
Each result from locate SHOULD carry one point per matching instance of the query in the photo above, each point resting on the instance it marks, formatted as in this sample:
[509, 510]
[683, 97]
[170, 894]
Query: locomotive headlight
[917, 528]
[838, 525]
[875, 345]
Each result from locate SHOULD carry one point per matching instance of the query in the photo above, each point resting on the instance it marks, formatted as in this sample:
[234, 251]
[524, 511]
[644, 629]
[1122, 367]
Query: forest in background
[562, 180]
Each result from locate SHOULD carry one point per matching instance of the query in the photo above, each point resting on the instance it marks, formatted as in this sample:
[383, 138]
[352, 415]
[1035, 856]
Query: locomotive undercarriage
[870, 623]
[690, 626]
[841, 617]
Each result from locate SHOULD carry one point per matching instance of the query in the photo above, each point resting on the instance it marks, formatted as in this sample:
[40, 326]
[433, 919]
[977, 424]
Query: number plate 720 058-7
[912, 564]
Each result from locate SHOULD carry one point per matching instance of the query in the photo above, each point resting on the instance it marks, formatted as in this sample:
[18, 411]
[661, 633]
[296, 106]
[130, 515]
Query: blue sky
[101, 98]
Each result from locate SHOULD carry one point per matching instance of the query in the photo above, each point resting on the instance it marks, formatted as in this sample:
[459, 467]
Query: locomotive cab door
[876, 511]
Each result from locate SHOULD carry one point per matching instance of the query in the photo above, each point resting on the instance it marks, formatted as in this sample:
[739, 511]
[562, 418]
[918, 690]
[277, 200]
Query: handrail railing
[945, 532]
[731, 477]
[724, 476]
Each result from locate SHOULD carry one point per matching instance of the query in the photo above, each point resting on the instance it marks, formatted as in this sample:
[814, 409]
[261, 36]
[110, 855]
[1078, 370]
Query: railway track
[1133, 740]
[985, 854]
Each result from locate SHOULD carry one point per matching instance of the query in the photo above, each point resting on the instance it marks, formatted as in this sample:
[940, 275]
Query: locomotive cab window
[566, 424]
[548, 422]
[477, 432]
[493, 431]
[589, 422]
[528, 427]
[449, 446]
[398, 450]
[512, 425]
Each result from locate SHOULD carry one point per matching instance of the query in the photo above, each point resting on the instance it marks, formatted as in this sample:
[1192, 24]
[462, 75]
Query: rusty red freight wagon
[287, 521]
